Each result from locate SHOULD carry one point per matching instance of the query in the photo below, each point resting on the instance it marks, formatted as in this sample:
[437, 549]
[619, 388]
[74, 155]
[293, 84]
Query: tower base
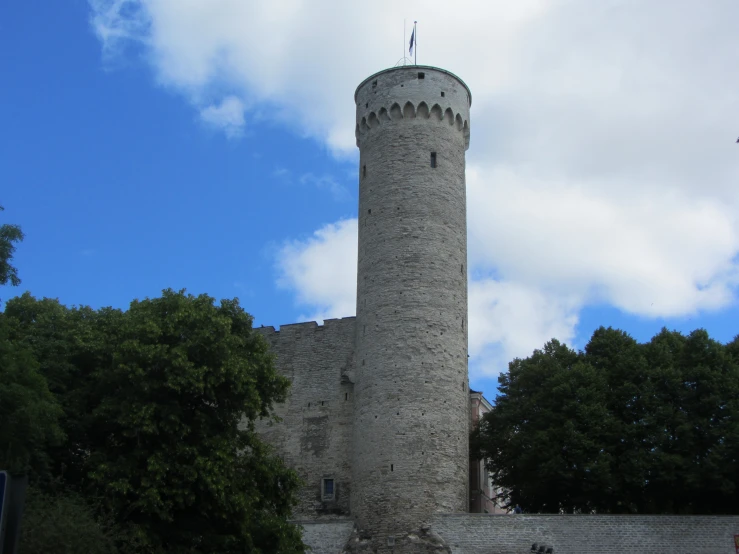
[421, 541]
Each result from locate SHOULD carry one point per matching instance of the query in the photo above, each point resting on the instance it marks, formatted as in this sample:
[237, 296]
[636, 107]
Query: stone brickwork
[326, 537]
[588, 534]
[411, 411]
[314, 436]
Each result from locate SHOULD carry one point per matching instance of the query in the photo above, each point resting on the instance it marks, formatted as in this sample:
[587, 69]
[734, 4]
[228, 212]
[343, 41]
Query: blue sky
[209, 146]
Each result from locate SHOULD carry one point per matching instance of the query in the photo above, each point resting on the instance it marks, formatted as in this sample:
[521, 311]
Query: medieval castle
[378, 418]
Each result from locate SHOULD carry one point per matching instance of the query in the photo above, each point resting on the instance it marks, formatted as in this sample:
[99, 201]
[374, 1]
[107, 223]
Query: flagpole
[415, 52]
[404, 42]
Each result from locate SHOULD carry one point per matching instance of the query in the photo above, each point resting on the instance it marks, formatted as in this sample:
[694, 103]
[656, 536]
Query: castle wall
[410, 454]
[326, 537]
[588, 534]
[315, 433]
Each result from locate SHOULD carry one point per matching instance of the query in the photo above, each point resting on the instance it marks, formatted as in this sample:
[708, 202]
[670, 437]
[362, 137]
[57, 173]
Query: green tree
[29, 413]
[9, 234]
[621, 427]
[627, 438]
[159, 407]
[71, 345]
[695, 391]
[66, 523]
[540, 440]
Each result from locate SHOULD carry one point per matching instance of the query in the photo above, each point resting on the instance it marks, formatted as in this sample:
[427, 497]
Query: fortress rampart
[314, 436]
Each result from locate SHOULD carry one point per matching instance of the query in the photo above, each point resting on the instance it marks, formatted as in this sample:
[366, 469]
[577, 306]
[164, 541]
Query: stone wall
[588, 534]
[326, 537]
[314, 436]
[410, 455]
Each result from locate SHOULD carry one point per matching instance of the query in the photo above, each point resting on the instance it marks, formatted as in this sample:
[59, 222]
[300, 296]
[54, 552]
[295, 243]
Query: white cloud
[508, 320]
[228, 116]
[602, 165]
[322, 270]
[666, 254]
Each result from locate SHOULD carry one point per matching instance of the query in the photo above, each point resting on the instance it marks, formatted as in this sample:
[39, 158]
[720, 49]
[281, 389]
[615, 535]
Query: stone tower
[411, 400]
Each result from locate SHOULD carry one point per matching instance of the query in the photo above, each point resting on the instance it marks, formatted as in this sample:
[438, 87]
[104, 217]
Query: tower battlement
[412, 92]
[410, 111]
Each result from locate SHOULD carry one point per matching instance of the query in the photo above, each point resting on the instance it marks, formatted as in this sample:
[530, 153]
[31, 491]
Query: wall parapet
[305, 326]
[409, 111]
[587, 534]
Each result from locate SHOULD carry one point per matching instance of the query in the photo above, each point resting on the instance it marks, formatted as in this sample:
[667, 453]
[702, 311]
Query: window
[327, 489]
[442, 94]
[433, 159]
[364, 171]
[421, 75]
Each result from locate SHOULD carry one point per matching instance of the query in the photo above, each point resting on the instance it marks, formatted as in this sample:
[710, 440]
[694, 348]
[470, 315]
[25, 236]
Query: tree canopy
[9, 235]
[620, 427]
[149, 415]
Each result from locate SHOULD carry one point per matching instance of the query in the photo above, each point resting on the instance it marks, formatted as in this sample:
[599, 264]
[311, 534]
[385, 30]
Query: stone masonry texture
[588, 534]
[326, 537]
[411, 409]
[314, 436]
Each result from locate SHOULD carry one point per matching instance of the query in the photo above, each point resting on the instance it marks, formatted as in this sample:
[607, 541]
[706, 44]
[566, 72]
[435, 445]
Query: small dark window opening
[433, 159]
[321, 402]
[328, 488]
[421, 75]
[346, 396]
[364, 171]
[366, 105]
[391, 467]
[369, 211]
[442, 94]
[374, 83]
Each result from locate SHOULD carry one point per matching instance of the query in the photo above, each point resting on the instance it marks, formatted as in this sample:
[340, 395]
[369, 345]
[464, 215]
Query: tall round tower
[411, 399]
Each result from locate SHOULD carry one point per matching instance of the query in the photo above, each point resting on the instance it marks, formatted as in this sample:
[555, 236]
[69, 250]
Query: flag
[413, 36]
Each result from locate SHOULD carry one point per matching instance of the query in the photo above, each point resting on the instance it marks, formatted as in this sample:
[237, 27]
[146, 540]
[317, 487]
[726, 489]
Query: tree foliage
[9, 235]
[29, 412]
[157, 406]
[620, 427]
[64, 522]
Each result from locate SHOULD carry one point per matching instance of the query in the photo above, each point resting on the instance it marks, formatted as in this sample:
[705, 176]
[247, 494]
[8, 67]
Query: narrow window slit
[433, 159]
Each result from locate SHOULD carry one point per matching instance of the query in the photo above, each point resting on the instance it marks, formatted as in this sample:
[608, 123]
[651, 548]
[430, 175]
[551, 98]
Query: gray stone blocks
[411, 410]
